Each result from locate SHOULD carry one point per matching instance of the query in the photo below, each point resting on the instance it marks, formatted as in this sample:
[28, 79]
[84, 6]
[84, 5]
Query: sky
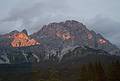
[99, 15]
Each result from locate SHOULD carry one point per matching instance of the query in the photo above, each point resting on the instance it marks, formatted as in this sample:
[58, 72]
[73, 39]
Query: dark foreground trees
[114, 71]
[73, 72]
[93, 73]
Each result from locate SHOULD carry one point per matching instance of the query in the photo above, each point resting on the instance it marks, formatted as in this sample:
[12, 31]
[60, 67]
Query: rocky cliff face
[5, 39]
[22, 39]
[72, 33]
[17, 39]
[38, 54]
[55, 42]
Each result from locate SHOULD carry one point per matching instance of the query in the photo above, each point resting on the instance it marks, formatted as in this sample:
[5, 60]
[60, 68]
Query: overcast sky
[101, 15]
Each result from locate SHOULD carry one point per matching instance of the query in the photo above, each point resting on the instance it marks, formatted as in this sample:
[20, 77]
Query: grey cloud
[43, 11]
[37, 10]
[107, 27]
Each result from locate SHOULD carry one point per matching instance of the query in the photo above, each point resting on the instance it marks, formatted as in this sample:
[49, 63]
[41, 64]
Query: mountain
[72, 33]
[56, 43]
[5, 39]
[17, 39]
[22, 39]
[88, 55]
[57, 51]
[38, 54]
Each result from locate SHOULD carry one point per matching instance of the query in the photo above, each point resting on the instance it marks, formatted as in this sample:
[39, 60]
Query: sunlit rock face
[91, 39]
[22, 40]
[90, 36]
[64, 35]
[102, 41]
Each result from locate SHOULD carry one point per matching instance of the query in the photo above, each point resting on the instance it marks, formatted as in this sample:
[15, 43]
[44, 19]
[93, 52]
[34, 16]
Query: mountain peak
[24, 31]
[71, 21]
[63, 34]
[13, 32]
[22, 39]
[74, 33]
